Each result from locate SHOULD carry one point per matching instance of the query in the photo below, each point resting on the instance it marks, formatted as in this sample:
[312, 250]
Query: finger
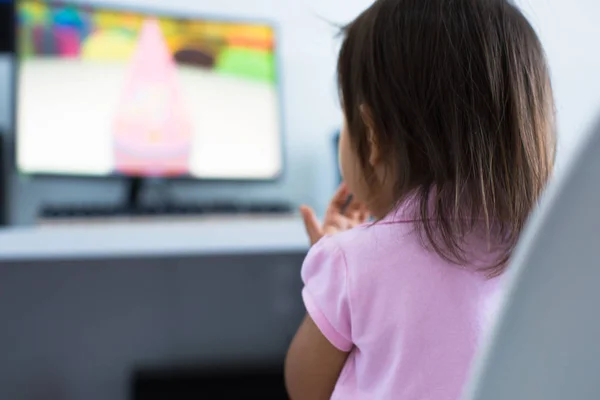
[311, 224]
[361, 218]
[340, 197]
[353, 206]
[356, 217]
[336, 224]
[364, 210]
[365, 215]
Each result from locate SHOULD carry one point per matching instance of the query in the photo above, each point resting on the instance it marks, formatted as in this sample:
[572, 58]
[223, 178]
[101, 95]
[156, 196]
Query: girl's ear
[374, 151]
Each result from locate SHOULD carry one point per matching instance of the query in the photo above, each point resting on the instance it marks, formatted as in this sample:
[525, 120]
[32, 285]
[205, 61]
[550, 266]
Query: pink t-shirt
[410, 320]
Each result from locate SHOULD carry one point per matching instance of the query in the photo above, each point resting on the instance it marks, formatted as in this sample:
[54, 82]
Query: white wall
[569, 30]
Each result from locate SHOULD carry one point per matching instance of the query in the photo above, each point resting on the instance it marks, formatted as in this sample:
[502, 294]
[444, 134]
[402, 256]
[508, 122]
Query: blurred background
[307, 53]
[153, 155]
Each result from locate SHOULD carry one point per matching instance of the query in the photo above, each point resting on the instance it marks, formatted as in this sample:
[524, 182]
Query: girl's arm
[313, 364]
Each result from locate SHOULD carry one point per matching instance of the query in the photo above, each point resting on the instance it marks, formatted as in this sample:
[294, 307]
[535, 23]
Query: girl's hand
[343, 213]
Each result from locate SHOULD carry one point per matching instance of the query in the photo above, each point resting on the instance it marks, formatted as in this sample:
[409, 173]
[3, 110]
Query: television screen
[119, 92]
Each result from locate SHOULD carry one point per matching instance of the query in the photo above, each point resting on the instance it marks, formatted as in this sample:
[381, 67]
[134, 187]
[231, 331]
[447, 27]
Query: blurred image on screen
[104, 92]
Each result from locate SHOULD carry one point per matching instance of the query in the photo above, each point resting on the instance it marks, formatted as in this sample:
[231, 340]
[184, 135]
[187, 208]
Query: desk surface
[154, 237]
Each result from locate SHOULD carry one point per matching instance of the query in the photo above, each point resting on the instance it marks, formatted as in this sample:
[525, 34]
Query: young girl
[448, 142]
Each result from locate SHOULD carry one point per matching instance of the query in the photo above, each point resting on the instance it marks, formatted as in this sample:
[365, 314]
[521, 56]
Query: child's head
[448, 102]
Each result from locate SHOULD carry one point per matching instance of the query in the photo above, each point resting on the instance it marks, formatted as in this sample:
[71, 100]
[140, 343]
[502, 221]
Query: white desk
[154, 237]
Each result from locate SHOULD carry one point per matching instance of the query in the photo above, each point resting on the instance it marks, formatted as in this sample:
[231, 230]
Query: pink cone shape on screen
[152, 128]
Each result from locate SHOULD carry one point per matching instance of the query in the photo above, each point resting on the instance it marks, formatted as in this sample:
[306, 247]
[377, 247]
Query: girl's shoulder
[380, 239]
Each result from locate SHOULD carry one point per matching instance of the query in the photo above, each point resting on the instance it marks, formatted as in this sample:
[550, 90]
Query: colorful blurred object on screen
[78, 31]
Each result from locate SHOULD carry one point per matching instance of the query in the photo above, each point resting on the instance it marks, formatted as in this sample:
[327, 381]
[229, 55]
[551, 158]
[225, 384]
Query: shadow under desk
[89, 312]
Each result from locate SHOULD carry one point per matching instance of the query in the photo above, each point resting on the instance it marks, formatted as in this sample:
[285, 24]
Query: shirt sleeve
[325, 292]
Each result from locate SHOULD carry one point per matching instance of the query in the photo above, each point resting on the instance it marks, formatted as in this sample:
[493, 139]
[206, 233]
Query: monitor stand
[132, 200]
[132, 206]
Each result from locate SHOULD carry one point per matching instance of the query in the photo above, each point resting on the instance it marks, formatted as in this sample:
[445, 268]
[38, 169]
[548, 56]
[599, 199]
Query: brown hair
[460, 99]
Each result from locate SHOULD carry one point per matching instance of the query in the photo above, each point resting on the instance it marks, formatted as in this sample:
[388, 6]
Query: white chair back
[546, 342]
